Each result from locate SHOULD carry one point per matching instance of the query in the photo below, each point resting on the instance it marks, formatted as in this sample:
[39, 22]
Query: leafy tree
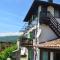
[7, 52]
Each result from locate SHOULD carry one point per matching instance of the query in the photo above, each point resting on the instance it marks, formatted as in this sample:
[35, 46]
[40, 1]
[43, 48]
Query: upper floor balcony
[26, 42]
[30, 27]
[45, 16]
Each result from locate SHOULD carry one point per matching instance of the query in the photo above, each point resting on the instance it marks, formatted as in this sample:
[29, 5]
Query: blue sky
[12, 13]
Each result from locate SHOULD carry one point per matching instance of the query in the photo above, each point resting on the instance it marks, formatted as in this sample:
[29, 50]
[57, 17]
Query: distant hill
[8, 38]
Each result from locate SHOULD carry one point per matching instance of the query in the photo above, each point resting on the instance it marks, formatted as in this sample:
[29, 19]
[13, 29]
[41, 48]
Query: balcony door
[44, 10]
[43, 14]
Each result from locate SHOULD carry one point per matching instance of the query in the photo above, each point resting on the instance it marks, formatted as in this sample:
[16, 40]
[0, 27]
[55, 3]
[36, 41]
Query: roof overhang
[54, 44]
[34, 6]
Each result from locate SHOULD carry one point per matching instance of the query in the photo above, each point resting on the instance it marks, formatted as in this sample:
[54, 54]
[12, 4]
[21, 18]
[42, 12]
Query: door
[57, 56]
[45, 55]
[44, 10]
[43, 14]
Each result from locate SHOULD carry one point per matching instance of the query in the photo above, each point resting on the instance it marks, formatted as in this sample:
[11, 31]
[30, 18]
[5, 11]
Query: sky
[12, 14]
[11, 34]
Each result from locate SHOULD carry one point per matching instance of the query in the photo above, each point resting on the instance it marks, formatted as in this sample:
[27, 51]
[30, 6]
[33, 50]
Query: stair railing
[46, 16]
[54, 21]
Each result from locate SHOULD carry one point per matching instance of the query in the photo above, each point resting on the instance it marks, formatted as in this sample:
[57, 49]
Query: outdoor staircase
[50, 20]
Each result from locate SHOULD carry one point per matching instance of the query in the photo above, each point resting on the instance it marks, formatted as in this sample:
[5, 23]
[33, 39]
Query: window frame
[58, 10]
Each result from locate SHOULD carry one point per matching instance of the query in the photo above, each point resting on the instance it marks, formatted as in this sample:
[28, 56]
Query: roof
[54, 44]
[34, 6]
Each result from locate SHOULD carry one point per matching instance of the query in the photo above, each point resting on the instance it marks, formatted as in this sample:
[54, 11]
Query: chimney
[50, 1]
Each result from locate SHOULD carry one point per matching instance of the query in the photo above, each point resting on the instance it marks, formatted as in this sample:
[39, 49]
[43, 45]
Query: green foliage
[7, 52]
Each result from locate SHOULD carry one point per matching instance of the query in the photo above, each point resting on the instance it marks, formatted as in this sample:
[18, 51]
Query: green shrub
[7, 52]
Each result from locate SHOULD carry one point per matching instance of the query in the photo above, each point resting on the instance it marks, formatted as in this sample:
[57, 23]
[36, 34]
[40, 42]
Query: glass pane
[28, 35]
[45, 55]
[56, 13]
[31, 35]
[30, 54]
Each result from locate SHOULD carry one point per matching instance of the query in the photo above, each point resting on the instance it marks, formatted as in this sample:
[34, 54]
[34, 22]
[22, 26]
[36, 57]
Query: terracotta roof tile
[50, 44]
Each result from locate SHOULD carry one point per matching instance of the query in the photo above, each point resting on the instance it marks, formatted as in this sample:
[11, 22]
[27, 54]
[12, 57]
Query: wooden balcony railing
[26, 42]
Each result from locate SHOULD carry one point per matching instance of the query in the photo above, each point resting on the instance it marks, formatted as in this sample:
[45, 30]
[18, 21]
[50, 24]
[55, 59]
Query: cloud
[11, 34]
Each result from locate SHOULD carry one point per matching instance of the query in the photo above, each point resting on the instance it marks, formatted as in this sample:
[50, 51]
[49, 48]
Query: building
[44, 28]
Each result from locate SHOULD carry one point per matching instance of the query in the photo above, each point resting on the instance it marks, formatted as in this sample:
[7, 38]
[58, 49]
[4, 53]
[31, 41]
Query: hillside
[8, 38]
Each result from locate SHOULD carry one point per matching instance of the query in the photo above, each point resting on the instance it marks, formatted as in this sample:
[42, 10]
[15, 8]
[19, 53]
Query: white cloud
[11, 34]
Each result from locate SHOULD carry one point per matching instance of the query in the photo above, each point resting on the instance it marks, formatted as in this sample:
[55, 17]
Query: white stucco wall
[51, 9]
[58, 19]
[46, 33]
[51, 56]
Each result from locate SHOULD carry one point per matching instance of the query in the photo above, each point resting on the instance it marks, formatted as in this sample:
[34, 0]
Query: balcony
[26, 42]
[31, 26]
[44, 17]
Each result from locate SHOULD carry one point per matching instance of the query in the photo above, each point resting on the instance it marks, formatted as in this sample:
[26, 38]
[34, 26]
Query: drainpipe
[38, 34]
[36, 42]
[37, 37]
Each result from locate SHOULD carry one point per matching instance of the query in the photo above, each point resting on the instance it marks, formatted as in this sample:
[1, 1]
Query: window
[45, 55]
[56, 13]
[32, 34]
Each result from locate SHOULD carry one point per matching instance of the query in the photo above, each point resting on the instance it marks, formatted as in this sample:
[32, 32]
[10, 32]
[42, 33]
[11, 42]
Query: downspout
[38, 33]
